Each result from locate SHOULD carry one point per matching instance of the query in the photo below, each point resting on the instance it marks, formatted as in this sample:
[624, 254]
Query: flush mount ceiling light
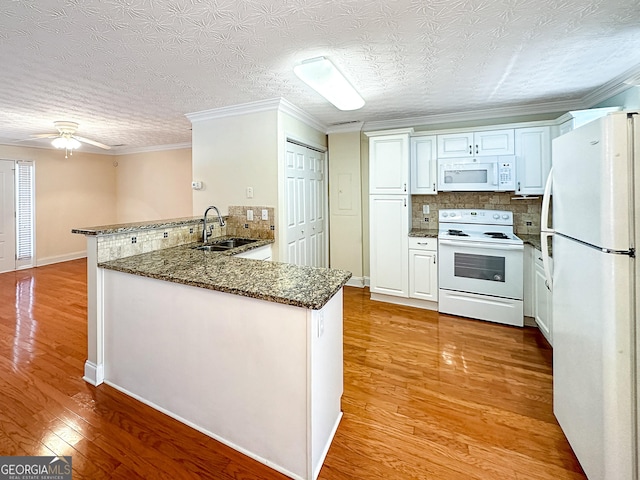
[321, 75]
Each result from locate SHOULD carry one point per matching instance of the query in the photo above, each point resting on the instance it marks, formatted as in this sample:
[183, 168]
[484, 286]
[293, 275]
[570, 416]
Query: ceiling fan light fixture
[66, 143]
[322, 75]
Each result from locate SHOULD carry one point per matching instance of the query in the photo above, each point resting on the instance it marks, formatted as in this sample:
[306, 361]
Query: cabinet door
[389, 164]
[423, 275]
[542, 297]
[494, 142]
[454, 145]
[533, 159]
[529, 269]
[423, 166]
[389, 253]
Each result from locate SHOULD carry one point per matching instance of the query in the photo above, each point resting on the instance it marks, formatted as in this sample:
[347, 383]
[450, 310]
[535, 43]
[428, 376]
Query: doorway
[306, 206]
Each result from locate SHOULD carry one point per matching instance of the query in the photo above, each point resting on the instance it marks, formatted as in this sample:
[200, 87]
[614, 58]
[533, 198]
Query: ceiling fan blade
[92, 142]
[45, 135]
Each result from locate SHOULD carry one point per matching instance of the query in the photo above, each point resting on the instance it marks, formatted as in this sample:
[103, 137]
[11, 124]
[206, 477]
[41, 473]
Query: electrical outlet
[265, 214]
[529, 224]
[426, 219]
[250, 215]
[425, 209]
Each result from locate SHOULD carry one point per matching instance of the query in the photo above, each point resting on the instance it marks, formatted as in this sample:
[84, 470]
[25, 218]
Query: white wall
[345, 220]
[231, 154]
[71, 192]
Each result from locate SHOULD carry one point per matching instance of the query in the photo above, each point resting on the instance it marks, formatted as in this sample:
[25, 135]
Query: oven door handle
[453, 243]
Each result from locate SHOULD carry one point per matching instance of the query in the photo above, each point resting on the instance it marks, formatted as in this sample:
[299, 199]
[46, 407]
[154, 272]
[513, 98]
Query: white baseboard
[93, 374]
[60, 258]
[367, 282]
[356, 282]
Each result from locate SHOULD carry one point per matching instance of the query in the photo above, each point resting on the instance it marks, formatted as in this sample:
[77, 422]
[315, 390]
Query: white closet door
[306, 199]
[7, 219]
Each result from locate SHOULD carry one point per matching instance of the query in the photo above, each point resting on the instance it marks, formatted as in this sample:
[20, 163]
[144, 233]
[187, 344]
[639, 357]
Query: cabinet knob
[434, 187]
[405, 202]
[476, 149]
[518, 186]
[470, 149]
[434, 259]
[405, 187]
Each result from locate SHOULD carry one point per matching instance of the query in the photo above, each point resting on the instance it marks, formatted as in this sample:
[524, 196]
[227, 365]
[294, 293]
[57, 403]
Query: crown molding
[347, 127]
[619, 84]
[511, 111]
[152, 148]
[290, 109]
[279, 104]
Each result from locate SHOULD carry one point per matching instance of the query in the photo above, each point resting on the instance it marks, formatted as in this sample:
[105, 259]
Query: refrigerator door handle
[546, 231]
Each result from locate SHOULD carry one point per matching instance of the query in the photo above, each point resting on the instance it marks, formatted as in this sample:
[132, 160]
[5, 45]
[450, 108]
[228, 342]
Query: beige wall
[231, 154]
[70, 192]
[154, 185]
[345, 218]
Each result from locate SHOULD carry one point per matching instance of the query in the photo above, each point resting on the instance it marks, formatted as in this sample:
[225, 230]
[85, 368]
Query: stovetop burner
[497, 235]
[457, 233]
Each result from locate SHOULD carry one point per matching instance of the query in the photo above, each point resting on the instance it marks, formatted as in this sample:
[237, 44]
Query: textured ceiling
[128, 70]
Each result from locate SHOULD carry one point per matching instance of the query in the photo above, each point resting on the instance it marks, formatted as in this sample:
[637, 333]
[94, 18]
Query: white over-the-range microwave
[494, 173]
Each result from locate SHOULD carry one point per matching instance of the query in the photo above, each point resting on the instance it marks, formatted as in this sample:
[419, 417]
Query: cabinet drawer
[421, 243]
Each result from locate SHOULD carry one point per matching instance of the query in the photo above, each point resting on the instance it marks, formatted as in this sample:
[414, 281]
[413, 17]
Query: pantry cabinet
[423, 268]
[533, 159]
[491, 142]
[423, 165]
[388, 244]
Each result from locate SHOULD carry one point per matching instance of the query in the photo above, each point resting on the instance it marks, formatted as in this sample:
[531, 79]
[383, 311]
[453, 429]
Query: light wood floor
[427, 396]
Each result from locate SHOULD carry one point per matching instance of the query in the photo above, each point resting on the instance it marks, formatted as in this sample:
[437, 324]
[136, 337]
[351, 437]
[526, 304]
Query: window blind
[24, 211]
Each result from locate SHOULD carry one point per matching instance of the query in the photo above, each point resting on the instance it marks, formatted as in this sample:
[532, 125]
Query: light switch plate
[425, 209]
[250, 215]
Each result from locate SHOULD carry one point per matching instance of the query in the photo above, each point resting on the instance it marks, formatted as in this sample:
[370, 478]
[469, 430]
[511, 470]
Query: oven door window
[479, 267]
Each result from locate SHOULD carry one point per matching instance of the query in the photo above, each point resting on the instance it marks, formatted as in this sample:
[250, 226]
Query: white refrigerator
[594, 285]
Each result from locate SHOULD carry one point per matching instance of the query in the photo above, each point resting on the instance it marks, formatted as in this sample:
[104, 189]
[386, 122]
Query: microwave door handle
[453, 243]
[495, 173]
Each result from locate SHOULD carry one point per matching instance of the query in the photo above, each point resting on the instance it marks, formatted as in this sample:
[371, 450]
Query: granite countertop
[534, 240]
[306, 287]
[423, 233]
[132, 227]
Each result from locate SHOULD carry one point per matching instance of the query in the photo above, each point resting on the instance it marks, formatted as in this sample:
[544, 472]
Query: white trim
[59, 258]
[306, 143]
[280, 104]
[397, 131]
[93, 374]
[299, 114]
[367, 281]
[513, 111]
[345, 127]
[325, 450]
[618, 85]
[152, 148]
[358, 282]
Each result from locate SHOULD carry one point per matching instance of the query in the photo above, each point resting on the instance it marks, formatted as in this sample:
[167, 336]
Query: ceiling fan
[67, 139]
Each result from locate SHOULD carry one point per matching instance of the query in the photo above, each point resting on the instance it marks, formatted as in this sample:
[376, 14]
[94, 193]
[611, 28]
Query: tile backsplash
[526, 212]
[239, 226]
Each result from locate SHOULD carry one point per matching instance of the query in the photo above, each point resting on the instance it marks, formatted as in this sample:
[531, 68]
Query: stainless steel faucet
[206, 235]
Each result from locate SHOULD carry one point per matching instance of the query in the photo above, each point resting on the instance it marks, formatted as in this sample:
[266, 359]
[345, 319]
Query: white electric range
[481, 266]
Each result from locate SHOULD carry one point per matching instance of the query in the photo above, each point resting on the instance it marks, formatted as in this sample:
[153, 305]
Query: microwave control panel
[506, 176]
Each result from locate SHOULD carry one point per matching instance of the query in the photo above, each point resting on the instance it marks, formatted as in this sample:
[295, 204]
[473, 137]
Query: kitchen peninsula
[246, 351]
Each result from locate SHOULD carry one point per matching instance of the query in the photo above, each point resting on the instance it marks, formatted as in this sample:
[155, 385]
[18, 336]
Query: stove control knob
[445, 214]
[505, 216]
[496, 216]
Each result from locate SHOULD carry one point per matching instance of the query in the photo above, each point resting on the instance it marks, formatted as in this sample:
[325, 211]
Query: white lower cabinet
[389, 230]
[542, 298]
[423, 268]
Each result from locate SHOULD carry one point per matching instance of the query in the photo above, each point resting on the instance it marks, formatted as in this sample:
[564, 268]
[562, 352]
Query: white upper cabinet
[423, 165]
[533, 159]
[491, 142]
[389, 164]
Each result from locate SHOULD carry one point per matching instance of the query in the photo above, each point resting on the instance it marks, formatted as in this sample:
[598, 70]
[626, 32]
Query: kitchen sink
[223, 245]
